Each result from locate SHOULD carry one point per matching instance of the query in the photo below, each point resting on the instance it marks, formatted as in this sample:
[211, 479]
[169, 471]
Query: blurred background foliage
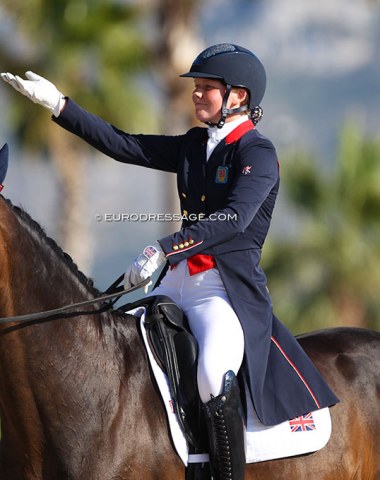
[95, 50]
[326, 272]
[121, 60]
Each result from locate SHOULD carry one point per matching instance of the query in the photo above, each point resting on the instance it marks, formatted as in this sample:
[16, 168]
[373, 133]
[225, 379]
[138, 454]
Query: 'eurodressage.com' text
[164, 217]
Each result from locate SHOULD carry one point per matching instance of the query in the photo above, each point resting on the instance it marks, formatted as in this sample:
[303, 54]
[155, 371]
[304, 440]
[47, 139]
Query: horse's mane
[40, 232]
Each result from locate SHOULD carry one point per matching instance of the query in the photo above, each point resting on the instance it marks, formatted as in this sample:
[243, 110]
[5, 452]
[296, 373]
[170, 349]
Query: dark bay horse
[77, 401]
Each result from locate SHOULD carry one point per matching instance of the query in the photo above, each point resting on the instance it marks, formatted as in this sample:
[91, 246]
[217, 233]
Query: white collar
[217, 134]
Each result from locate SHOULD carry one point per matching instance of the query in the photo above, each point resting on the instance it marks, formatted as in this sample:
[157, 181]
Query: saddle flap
[187, 354]
[176, 352]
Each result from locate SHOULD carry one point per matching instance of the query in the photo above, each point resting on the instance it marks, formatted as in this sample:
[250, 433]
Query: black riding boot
[224, 417]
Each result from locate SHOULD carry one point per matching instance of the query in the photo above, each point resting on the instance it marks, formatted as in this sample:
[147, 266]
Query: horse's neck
[35, 273]
[80, 365]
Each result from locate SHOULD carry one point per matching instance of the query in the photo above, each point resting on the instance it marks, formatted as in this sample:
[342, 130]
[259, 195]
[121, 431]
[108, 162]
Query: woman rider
[228, 180]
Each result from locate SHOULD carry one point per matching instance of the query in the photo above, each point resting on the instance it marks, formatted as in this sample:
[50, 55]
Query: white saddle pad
[301, 435]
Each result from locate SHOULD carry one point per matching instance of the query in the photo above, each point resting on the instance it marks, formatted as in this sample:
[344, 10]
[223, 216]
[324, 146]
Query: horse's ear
[4, 152]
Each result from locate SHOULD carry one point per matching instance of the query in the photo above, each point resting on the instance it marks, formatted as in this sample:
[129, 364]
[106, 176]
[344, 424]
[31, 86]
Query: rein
[117, 292]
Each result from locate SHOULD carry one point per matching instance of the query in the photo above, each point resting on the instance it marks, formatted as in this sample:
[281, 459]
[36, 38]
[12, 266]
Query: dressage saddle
[176, 352]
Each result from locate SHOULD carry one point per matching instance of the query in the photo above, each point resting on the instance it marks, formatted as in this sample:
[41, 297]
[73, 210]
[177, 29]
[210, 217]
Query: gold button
[191, 241]
[181, 245]
[175, 247]
[184, 194]
[185, 213]
[186, 244]
[203, 198]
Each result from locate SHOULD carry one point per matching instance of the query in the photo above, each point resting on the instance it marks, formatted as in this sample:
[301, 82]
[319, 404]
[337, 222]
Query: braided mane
[57, 250]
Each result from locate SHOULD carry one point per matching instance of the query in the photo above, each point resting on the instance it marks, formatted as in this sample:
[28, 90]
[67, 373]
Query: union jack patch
[246, 170]
[304, 423]
[149, 252]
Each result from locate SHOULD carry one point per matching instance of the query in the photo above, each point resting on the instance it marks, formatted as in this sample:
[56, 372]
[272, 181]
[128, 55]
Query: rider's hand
[37, 89]
[145, 265]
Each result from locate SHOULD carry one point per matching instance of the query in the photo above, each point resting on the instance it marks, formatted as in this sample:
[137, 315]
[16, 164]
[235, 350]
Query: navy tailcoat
[227, 204]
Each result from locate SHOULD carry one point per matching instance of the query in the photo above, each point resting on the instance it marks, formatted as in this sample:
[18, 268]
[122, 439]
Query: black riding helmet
[236, 67]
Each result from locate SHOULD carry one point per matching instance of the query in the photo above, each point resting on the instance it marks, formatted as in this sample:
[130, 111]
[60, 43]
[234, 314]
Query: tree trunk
[74, 234]
[177, 47]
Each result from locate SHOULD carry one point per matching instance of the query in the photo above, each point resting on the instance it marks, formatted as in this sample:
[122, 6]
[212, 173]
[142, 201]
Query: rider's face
[208, 97]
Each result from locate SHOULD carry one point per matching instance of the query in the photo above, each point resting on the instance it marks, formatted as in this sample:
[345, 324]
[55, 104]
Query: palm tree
[328, 272]
[177, 47]
[91, 50]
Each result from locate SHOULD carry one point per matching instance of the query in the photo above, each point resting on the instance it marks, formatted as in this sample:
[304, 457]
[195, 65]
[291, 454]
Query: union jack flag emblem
[246, 170]
[305, 423]
[149, 251]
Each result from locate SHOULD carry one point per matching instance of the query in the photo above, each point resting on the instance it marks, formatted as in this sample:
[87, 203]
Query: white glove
[37, 89]
[144, 266]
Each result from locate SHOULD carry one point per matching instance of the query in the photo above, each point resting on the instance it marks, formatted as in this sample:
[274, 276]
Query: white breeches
[212, 321]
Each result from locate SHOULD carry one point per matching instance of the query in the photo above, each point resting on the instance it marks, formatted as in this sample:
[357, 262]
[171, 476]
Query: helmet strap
[227, 111]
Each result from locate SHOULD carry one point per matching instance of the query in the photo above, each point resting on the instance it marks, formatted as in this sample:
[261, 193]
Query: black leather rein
[70, 310]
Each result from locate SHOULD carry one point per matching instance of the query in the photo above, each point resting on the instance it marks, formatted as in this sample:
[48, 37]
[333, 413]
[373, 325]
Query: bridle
[113, 292]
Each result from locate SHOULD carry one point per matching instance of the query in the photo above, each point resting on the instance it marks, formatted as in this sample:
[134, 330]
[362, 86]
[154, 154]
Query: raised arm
[38, 90]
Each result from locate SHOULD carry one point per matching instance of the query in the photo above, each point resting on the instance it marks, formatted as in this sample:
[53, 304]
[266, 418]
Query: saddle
[176, 352]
